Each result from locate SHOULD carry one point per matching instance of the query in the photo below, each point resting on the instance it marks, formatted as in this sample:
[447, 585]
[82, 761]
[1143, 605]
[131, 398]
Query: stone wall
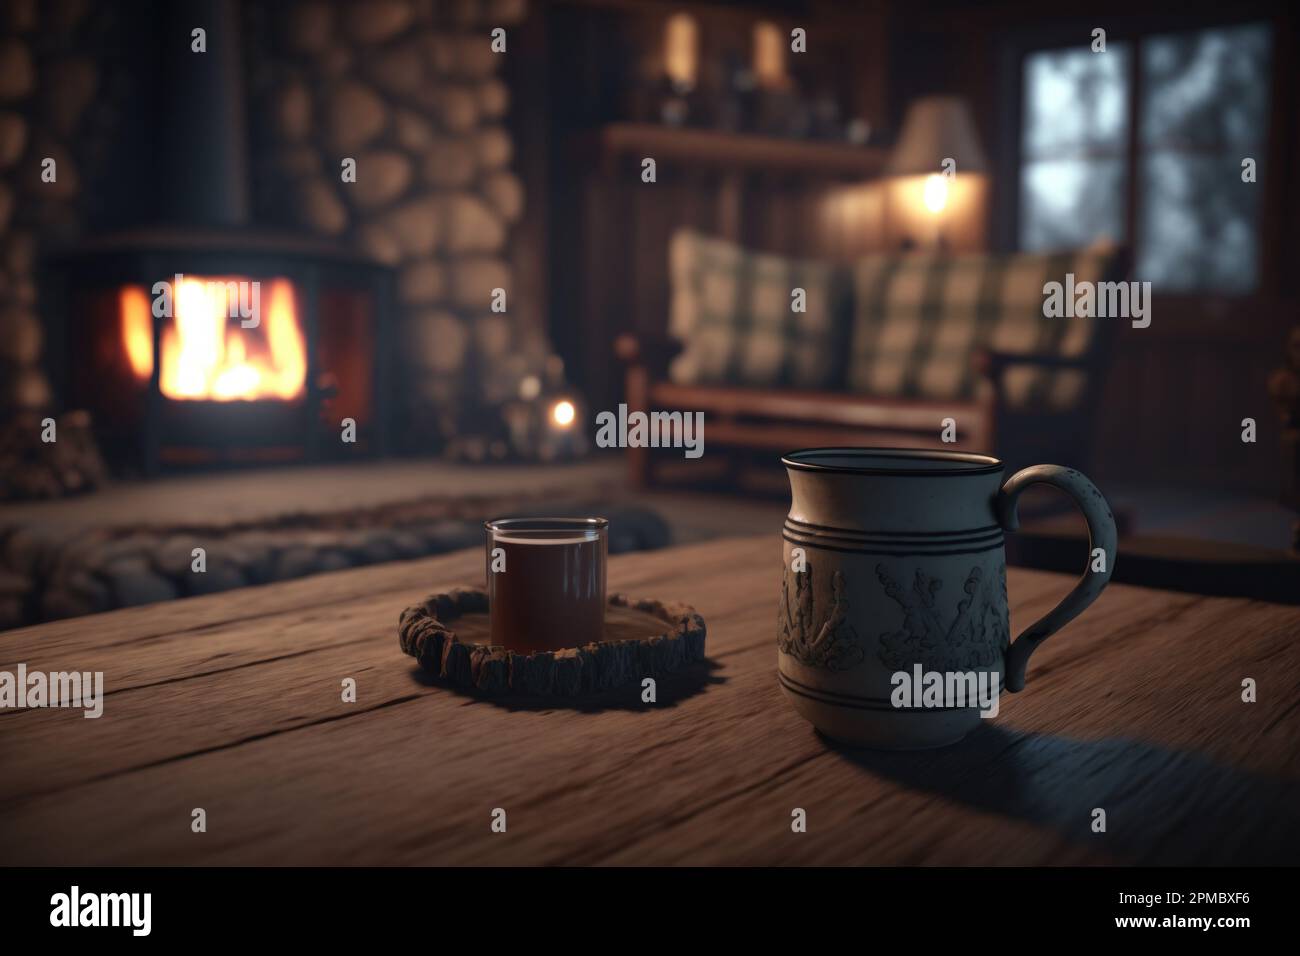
[60, 94]
[50, 74]
[411, 91]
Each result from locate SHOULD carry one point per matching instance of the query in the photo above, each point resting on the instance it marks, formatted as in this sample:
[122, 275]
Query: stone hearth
[383, 126]
[134, 543]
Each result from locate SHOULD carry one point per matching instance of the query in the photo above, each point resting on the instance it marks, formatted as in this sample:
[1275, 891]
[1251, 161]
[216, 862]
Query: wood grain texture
[232, 703]
[732, 151]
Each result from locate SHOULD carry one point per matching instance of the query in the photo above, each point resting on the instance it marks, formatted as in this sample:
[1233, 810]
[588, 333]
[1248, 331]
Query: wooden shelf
[737, 151]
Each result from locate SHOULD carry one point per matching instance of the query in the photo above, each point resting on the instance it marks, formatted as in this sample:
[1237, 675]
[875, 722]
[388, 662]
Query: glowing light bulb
[936, 192]
[562, 413]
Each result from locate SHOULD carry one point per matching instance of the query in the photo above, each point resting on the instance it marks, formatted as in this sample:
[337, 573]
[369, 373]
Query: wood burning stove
[199, 347]
[151, 325]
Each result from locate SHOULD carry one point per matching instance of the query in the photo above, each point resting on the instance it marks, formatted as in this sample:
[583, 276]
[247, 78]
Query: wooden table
[232, 703]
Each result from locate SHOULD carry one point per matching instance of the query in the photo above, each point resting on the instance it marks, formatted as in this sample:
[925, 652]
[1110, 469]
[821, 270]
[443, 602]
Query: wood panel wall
[608, 241]
[1177, 391]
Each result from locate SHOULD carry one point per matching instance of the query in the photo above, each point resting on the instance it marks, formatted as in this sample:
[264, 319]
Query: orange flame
[206, 354]
[137, 331]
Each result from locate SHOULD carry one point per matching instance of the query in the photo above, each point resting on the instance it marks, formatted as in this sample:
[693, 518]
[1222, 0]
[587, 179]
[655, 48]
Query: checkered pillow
[919, 318]
[732, 310]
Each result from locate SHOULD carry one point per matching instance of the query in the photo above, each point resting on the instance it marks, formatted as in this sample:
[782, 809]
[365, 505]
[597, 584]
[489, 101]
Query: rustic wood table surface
[233, 704]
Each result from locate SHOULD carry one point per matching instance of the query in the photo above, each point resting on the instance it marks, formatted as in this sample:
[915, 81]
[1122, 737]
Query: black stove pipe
[204, 130]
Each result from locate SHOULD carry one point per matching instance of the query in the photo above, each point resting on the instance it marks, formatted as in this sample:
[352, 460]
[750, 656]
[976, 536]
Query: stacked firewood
[41, 457]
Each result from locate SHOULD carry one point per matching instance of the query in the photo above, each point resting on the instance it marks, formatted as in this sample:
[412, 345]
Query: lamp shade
[934, 129]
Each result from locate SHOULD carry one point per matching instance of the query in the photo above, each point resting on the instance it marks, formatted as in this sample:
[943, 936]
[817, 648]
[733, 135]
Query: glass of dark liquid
[546, 582]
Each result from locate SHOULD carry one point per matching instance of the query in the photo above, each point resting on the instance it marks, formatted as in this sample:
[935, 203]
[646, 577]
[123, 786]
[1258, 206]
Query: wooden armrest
[789, 404]
[652, 353]
[992, 364]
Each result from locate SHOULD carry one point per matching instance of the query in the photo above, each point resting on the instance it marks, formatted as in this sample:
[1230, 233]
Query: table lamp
[935, 128]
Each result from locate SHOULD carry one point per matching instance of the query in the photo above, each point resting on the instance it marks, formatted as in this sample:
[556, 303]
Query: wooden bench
[774, 422]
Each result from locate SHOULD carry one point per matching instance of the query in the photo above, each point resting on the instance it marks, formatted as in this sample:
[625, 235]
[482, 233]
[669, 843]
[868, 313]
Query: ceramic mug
[894, 569]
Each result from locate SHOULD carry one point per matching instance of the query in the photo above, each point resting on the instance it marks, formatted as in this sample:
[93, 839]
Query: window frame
[1132, 31]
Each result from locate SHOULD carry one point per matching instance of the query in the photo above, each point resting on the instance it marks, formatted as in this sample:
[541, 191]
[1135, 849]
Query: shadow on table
[669, 690]
[1166, 807]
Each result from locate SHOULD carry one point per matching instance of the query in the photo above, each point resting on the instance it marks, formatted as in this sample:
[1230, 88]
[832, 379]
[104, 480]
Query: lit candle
[769, 56]
[681, 51]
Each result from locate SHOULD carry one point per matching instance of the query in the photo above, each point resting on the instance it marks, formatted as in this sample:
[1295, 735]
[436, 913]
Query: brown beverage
[548, 589]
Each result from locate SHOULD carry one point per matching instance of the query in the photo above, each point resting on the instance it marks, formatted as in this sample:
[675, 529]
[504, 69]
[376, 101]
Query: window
[1202, 107]
[1072, 171]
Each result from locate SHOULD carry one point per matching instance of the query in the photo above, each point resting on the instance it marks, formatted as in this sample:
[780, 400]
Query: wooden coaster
[644, 638]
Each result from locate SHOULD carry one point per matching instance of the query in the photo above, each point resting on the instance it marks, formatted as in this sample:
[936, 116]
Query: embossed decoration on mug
[893, 563]
[546, 582]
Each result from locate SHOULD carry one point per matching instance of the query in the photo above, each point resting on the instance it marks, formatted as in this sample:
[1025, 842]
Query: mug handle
[1101, 534]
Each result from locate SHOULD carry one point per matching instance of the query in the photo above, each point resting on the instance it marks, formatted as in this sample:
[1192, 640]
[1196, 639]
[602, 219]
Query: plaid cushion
[732, 309]
[918, 319]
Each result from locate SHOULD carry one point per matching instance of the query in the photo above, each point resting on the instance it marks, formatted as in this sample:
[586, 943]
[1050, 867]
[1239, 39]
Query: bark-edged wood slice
[644, 638]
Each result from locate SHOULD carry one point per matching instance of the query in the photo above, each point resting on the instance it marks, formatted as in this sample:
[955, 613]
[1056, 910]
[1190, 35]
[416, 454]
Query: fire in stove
[224, 338]
[222, 372]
